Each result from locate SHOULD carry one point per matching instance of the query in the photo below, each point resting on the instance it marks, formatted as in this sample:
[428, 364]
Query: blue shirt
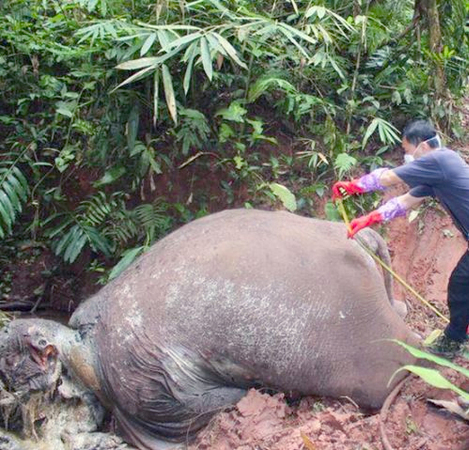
[442, 174]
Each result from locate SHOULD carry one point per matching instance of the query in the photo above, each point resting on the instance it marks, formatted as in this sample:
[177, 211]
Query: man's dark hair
[419, 131]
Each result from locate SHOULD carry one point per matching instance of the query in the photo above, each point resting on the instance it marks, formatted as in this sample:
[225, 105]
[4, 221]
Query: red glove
[341, 188]
[364, 221]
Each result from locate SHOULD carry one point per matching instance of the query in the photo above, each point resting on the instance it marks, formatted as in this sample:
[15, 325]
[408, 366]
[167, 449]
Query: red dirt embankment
[424, 253]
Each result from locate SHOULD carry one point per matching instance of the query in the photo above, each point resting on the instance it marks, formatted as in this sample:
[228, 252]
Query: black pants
[458, 300]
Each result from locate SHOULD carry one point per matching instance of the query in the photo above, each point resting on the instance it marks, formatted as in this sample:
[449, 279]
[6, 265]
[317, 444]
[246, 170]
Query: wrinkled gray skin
[238, 299]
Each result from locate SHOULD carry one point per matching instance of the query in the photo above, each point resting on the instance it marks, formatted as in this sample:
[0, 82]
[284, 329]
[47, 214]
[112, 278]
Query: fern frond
[14, 191]
[75, 239]
[95, 210]
[153, 218]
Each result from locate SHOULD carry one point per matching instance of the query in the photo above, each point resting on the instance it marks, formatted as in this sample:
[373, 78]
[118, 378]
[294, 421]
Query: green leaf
[169, 93]
[147, 44]
[128, 258]
[139, 63]
[191, 53]
[284, 195]
[263, 85]
[344, 162]
[182, 42]
[387, 132]
[12, 194]
[230, 50]
[66, 108]
[156, 93]
[75, 247]
[331, 212]
[136, 76]
[435, 379]
[132, 127]
[7, 219]
[206, 58]
[421, 354]
[110, 176]
[64, 241]
[235, 112]
[7, 207]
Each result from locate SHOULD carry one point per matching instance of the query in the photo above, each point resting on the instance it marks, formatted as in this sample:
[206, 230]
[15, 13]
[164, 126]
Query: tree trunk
[428, 11]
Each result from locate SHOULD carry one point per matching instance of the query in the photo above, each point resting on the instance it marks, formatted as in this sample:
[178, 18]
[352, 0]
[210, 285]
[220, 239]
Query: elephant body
[238, 299]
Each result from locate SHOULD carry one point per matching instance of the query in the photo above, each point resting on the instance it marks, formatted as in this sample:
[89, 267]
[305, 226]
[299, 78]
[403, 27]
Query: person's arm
[377, 180]
[389, 178]
[408, 201]
[396, 207]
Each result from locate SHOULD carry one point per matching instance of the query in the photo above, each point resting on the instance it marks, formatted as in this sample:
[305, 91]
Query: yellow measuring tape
[342, 211]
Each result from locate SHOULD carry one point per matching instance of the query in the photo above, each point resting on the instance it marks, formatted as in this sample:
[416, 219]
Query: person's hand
[342, 188]
[364, 221]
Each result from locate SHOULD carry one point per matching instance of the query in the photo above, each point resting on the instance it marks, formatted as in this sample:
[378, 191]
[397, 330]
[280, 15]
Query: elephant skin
[238, 299]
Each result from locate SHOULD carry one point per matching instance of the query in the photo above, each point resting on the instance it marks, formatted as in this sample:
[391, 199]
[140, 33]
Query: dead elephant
[237, 299]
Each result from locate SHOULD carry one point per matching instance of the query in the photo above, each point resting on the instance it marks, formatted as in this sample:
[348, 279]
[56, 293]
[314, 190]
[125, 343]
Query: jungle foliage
[121, 119]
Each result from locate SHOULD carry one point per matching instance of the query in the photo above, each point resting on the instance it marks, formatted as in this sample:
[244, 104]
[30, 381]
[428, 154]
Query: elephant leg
[375, 243]
[189, 412]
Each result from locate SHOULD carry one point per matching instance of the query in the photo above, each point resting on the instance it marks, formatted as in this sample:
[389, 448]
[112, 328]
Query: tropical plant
[107, 105]
[434, 378]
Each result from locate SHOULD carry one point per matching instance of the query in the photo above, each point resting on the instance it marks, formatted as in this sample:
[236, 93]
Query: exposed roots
[384, 412]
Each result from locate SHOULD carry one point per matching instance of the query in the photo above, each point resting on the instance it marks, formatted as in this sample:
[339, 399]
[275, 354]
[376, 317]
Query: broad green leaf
[136, 76]
[24, 183]
[132, 127]
[156, 93]
[369, 131]
[168, 27]
[262, 85]
[97, 241]
[206, 58]
[8, 207]
[66, 108]
[290, 37]
[64, 241]
[169, 93]
[337, 68]
[181, 43]
[12, 195]
[421, 354]
[284, 195]
[164, 38]
[214, 44]
[298, 33]
[147, 44]
[435, 379]
[232, 53]
[5, 217]
[331, 212]
[225, 132]
[75, 247]
[127, 259]
[110, 176]
[235, 112]
[139, 63]
[188, 75]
